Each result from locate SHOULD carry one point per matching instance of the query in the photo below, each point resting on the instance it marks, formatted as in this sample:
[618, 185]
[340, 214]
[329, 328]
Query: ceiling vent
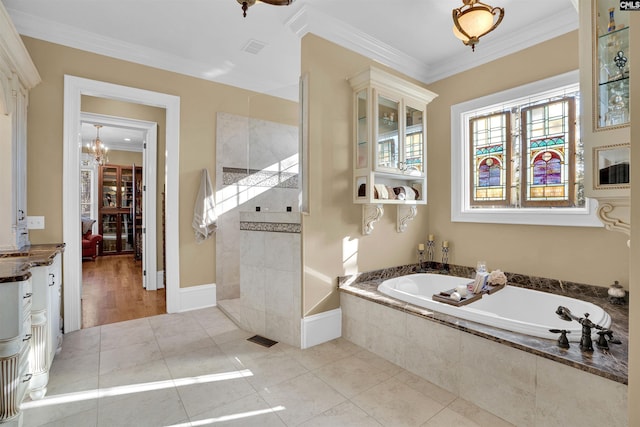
[254, 46]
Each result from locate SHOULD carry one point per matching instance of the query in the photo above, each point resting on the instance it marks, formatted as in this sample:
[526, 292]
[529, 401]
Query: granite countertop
[15, 265]
[611, 364]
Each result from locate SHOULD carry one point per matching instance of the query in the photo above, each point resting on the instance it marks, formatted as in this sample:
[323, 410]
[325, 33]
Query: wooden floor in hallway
[112, 292]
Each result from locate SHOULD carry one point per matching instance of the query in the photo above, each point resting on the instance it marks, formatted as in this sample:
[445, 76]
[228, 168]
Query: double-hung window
[517, 157]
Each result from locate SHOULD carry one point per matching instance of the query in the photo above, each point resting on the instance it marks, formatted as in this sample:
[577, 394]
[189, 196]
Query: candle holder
[430, 253]
[420, 268]
[445, 259]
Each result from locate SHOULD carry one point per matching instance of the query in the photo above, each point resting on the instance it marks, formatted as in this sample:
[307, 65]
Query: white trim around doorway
[74, 88]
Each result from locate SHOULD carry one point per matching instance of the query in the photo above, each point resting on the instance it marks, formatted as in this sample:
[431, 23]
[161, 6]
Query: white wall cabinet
[390, 145]
[605, 116]
[15, 339]
[17, 76]
[45, 322]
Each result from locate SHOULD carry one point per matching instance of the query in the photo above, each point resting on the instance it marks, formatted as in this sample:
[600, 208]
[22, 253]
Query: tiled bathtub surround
[516, 377]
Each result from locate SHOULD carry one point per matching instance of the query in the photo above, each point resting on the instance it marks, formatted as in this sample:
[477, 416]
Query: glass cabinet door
[109, 186]
[362, 134]
[387, 150]
[109, 233]
[414, 141]
[127, 188]
[611, 73]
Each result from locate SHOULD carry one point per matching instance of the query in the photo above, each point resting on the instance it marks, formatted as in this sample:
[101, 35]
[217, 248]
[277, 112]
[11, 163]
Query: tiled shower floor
[198, 369]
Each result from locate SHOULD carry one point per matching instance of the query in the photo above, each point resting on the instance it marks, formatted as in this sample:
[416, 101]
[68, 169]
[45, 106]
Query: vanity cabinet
[390, 145]
[17, 75]
[605, 118]
[46, 322]
[15, 339]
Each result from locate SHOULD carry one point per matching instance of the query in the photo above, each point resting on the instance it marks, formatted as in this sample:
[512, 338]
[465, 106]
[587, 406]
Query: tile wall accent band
[274, 227]
[259, 178]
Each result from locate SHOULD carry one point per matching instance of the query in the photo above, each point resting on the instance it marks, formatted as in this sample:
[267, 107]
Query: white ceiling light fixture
[474, 20]
[246, 4]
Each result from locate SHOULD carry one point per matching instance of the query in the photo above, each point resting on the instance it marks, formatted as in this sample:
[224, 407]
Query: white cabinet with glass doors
[390, 143]
[605, 118]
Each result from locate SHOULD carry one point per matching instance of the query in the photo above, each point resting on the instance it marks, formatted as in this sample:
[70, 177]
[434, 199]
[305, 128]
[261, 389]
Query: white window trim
[461, 210]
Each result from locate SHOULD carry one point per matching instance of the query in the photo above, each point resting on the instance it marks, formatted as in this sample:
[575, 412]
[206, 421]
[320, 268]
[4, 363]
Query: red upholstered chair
[89, 241]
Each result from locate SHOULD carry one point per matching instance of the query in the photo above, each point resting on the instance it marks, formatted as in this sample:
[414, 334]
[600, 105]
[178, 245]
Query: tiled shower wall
[256, 166]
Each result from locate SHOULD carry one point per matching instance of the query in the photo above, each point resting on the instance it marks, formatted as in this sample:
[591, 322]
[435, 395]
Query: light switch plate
[35, 222]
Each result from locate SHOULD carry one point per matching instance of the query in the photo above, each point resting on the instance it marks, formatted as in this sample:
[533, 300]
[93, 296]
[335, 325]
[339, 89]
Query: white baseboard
[196, 297]
[160, 279]
[320, 328]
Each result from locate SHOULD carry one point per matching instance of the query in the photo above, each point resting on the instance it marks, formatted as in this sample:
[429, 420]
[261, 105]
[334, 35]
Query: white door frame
[74, 88]
[149, 162]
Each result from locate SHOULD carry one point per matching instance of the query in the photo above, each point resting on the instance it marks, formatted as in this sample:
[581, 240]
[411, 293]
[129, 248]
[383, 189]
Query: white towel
[204, 212]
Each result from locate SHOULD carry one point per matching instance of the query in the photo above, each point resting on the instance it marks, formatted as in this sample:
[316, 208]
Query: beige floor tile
[393, 403]
[356, 373]
[303, 398]
[153, 370]
[477, 415]
[129, 356]
[74, 369]
[188, 341]
[203, 361]
[323, 354]
[449, 418]
[249, 411]
[244, 351]
[271, 369]
[173, 324]
[131, 332]
[344, 414]
[425, 387]
[151, 408]
[85, 419]
[204, 396]
[81, 342]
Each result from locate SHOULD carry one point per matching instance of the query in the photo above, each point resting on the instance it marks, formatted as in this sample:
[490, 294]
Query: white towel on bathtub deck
[205, 220]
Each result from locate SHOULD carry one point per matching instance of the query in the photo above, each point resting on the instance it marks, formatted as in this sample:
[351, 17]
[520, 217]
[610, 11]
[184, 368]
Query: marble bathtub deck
[197, 368]
[611, 364]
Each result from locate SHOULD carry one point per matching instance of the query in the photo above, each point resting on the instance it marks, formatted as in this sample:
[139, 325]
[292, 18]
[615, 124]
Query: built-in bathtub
[516, 309]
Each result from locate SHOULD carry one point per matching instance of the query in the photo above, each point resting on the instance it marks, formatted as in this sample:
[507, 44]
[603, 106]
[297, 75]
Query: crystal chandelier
[248, 3]
[98, 148]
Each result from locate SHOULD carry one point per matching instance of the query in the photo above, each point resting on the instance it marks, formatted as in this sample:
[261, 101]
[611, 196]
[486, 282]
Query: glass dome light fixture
[475, 19]
[98, 148]
[246, 4]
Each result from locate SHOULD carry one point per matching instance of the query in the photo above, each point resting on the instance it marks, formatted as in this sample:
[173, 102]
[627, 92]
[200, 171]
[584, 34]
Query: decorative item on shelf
[248, 3]
[420, 268]
[98, 148]
[612, 22]
[445, 256]
[474, 20]
[617, 294]
[430, 252]
[620, 61]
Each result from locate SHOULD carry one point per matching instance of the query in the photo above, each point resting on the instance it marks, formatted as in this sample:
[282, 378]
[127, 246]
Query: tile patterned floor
[198, 369]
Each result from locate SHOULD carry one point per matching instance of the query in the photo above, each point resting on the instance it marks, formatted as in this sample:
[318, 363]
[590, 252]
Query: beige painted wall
[110, 107]
[333, 243]
[586, 255]
[200, 101]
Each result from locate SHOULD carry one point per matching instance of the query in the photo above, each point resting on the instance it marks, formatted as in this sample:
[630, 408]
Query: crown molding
[310, 20]
[14, 53]
[491, 50]
[43, 29]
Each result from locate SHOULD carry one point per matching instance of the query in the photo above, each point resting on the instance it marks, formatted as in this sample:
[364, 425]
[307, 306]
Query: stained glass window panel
[489, 141]
[548, 139]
